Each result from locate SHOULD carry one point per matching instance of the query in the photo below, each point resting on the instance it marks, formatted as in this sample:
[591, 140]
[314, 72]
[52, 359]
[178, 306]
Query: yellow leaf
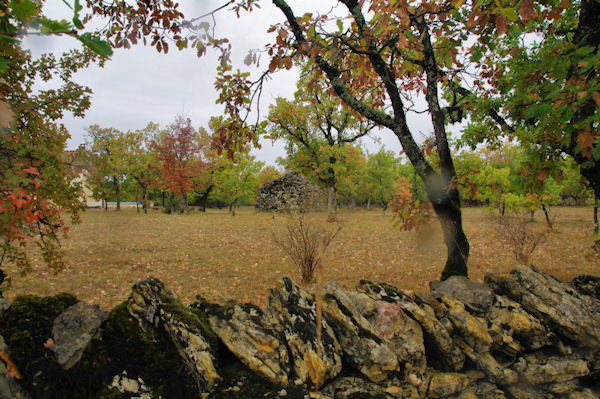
[12, 369]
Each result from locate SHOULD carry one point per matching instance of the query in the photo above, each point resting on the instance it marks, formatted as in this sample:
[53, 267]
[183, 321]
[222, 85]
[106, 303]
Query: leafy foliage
[409, 213]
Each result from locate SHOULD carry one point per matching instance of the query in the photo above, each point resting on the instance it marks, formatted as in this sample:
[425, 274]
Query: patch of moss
[152, 356]
[26, 326]
[241, 383]
[197, 320]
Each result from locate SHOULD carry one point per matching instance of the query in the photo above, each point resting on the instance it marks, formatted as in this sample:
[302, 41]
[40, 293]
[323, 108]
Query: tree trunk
[548, 222]
[105, 205]
[171, 203]
[331, 202]
[531, 216]
[187, 205]
[162, 199]
[447, 208]
[144, 202]
[117, 192]
[596, 226]
[385, 206]
[369, 203]
[503, 209]
[182, 207]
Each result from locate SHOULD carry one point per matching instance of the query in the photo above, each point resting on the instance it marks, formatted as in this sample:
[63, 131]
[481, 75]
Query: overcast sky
[139, 85]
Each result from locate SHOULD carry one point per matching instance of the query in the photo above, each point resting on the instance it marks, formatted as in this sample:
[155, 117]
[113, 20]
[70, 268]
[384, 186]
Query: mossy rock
[238, 382]
[26, 326]
[152, 357]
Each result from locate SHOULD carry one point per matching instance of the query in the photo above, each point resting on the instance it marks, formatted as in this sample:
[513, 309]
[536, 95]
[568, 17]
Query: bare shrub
[518, 235]
[305, 242]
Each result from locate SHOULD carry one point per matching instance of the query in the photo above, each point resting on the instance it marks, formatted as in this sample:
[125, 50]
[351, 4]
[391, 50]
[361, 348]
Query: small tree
[236, 182]
[178, 152]
[306, 242]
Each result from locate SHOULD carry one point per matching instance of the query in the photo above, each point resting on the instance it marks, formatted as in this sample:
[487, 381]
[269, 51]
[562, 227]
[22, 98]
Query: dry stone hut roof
[291, 192]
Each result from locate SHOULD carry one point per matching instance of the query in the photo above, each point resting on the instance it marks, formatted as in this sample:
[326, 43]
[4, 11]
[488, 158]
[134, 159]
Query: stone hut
[287, 193]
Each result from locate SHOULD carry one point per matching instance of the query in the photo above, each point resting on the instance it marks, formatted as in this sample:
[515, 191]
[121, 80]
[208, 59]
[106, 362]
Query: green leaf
[52, 26]
[340, 25]
[96, 44]
[77, 22]
[23, 9]
[3, 65]
[509, 13]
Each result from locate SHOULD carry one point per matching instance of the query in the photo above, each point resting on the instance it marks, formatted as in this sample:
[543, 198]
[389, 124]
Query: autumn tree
[381, 175]
[268, 174]
[318, 126]
[544, 92]
[237, 181]
[179, 154]
[111, 149]
[376, 57]
[35, 180]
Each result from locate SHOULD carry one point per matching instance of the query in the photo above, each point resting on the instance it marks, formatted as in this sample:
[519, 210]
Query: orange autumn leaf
[526, 11]
[596, 97]
[12, 369]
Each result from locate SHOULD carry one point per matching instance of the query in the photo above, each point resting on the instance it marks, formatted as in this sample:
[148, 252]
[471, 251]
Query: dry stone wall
[522, 334]
[290, 193]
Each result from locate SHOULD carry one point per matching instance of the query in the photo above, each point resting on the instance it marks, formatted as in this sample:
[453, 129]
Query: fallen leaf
[12, 369]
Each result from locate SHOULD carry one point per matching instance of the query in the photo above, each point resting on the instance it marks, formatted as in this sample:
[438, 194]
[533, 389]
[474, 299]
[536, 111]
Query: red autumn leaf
[12, 368]
[31, 170]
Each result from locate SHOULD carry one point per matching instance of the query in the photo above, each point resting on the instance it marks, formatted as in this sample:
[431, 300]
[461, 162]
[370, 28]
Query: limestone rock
[476, 297]
[574, 316]
[73, 331]
[482, 389]
[353, 387]
[519, 391]
[361, 345]
[495, 372]
[132, 387]
[249, 336]
[587, 285]
[545, 370]
[291, 192]
[517, 323]
[584, 393]
[402, 334]
[471, 329]
[504, 342]
[442, 385]
[153, 305]
[293, 310]
[441, 350]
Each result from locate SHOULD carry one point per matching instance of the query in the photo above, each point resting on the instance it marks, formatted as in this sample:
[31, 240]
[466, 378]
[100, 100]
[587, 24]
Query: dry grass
[217, 255]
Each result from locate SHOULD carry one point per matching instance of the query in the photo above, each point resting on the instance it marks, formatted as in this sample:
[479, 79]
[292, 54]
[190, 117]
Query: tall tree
[111, 149]
[179, 153]
[317, 123]
[544, 92]
[375, 59]
[381, 175]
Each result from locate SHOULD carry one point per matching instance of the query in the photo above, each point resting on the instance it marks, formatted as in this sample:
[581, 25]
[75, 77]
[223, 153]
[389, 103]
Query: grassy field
[216, 255]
